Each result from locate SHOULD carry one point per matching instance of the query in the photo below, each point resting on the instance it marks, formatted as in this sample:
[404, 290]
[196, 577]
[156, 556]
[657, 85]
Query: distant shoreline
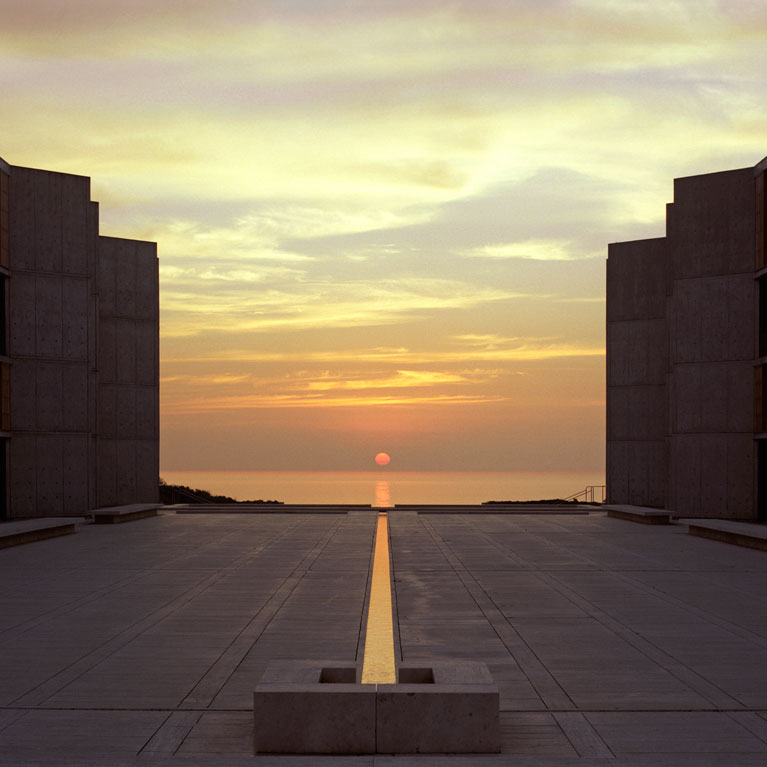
[171, 494]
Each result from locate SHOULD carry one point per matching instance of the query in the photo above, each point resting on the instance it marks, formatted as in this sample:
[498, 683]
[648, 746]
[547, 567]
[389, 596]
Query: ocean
[386, 488]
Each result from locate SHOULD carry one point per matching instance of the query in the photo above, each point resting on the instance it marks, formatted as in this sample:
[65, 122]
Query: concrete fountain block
[316, 707]
[455, 713]
[313, 707]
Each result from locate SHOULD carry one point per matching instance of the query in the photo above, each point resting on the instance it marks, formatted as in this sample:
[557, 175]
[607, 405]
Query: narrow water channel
[378, 660]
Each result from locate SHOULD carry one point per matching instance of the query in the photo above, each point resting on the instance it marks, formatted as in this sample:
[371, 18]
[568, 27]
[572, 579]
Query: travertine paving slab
[41, 734]
[610, 643]
[675, 732]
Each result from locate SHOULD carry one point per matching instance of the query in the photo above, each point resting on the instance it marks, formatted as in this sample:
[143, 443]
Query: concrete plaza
[612, 643]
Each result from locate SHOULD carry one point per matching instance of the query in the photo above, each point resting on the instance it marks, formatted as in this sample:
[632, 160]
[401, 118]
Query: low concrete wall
[30, 530]
[315, 707]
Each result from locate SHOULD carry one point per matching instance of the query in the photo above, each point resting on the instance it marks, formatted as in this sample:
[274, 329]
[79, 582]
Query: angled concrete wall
[65, 456]
[682, 319]
[128, 406]
[637, 362]
[712, 310]
[5, 368]
[51, 296]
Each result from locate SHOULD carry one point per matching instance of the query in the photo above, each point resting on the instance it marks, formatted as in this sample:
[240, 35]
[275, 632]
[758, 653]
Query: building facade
[80, 353]
[687, 354]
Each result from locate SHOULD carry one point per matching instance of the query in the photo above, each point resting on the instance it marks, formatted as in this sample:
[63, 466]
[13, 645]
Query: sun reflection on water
[383, 495]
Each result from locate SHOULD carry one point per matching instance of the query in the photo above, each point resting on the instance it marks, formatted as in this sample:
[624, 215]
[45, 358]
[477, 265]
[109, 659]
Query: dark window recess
[761, 221]
[3, 479]
[3, 324]
[5, 396]
[760, 400]
[763, 317]
[761, 480]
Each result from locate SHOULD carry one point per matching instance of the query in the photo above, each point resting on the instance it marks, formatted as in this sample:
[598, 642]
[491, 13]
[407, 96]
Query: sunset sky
[382, 226]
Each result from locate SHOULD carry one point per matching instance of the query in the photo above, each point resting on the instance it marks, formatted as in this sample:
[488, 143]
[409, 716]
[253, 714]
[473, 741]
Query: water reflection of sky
[382, 494]
[378, 665]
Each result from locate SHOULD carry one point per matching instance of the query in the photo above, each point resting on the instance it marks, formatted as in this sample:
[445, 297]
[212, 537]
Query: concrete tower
[686, 350]
[79, 372]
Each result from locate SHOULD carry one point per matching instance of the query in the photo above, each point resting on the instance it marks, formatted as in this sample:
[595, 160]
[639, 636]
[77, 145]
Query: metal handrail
[590, 493]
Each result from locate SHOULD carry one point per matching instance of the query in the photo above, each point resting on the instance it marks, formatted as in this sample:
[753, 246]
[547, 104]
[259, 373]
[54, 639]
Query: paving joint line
[752, 721]
[362, 632]
[108, 648]
[582, 735]
[470, 583]
[297, 575]
[253, 554]
[643, 645]
[395, 602]
[710, 617]
[649, 649]
[13, 632]
[100, 653]
[261, 620]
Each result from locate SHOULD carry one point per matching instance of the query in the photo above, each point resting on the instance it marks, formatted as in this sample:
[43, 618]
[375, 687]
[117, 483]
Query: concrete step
[642, 514]
[29, 530]
[114, 514]
[748, 534]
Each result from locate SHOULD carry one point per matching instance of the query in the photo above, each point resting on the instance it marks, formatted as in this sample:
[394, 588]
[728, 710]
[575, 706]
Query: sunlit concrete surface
[611, 643]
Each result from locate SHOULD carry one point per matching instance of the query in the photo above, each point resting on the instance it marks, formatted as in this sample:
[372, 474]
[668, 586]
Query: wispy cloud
[362, 203]
[339, 388]
[401, 379]
[311, 303]
[287, 400]
[543, 250]
[469, 349]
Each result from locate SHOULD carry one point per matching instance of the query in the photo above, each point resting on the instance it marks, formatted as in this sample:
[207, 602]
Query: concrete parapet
[315, 707]
[639, 514]
[29, 530]
[127, 513]
[739, 533]
[262, 508]
[498, 508]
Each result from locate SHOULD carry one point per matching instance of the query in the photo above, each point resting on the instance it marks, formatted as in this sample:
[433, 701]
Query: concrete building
[80, 341]
[687, 354]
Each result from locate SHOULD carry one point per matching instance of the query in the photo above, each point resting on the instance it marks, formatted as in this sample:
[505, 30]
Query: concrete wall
[83, 345]
[5, 181]
[5, 368]
[711, 236]
[128, 359]
[681, 347]
[52, 233]
[637, 363]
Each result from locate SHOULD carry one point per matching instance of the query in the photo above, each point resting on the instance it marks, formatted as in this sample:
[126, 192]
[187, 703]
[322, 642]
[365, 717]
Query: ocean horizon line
[398, 486]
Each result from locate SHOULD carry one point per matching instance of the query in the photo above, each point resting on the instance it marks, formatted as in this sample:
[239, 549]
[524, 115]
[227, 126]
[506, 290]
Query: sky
[382, 226]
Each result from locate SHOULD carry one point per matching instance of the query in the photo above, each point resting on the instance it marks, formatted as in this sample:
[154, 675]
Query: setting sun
[382, 459]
